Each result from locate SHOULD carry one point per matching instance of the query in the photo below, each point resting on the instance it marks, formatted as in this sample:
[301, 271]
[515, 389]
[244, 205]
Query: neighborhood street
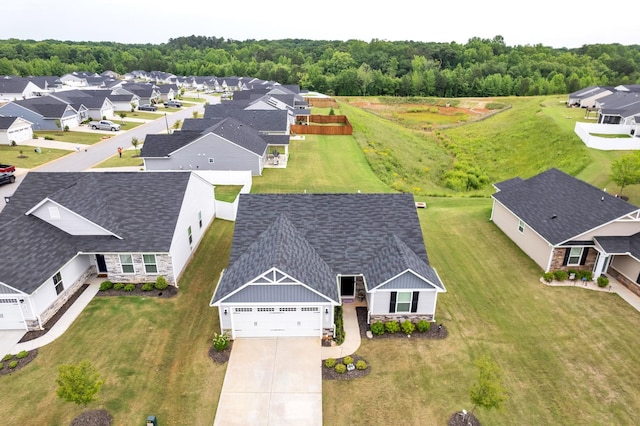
[83, 160]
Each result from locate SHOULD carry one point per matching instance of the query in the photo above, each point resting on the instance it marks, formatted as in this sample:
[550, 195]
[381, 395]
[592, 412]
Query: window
[403, 302]
[190, 236]
[210, 160]
[126, 261]
[200, 218]
[574, 256]
[150, 266]
[287, 309]
[266, 309]
[242, 309]
[57, 283]
[520, 226]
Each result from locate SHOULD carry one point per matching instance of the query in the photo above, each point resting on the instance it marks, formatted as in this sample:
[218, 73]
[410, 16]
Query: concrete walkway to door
[272, 381]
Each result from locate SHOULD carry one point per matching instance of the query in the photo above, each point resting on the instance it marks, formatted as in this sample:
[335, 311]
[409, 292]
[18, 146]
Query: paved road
[99, 152]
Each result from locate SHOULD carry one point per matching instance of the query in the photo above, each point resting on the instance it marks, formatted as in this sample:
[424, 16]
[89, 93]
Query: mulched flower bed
[34, 334]
[332, 374]
[437, 331]
[93, 418]
[21, 362]
[170, 291]
[457, 419]
[220, 357]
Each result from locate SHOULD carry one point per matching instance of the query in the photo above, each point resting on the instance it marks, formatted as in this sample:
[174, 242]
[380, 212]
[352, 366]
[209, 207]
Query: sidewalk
[43, 143]
[352, 334]
[65, 321]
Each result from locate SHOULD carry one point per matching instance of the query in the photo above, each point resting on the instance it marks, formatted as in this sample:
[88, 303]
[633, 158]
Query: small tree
[135, 142]
[122, 115]
[195, 114]
[78, 383]
[487, 391]
[626, 170]
[177, 124]
[133, 106]
[58, 124]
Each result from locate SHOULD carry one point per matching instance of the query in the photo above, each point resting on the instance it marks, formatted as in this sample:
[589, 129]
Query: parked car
[104, 125]
[6, 174]
[173, 104]
[147, 107]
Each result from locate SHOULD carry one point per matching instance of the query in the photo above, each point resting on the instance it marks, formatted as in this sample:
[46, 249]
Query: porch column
[286, 151]
[598, 270]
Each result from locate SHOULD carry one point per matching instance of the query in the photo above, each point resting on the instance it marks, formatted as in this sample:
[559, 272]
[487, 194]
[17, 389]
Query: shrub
[423, 326]
[147, 287]
[585, 274]
[66, 128]
[48, 138]
[161, 283]
[13, 143]
[118, 286]
[22, 354]
[603, 281]
[341, 368]
[13, 364]
[361, 365]
[1, 365]
[347, 360]
[330, 362]
[129, 287]
[377, 328]
[560, 275]
[392, 326]
[408, 327]
[7, 357]
[339, 322]
[220, 341]
[106, 285]
[547, 276]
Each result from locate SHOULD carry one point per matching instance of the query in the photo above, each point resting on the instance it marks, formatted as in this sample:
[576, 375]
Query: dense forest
[481, 67]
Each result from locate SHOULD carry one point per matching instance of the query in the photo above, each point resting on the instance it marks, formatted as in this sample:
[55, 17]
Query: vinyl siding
[68, 221]
[627, 266]
[426, 302]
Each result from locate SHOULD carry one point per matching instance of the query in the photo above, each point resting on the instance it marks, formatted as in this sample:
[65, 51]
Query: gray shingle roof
[162, 145]
[46, 106]
[560, 207]
[261, 120]
[6, 122]
[347, 231]
[40, 249]
[621, 244]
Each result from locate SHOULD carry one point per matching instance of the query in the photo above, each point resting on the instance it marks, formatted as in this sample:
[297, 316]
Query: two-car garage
[275, 321]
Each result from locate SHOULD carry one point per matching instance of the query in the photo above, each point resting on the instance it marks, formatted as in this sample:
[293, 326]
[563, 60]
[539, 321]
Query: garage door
[275, 321]
[10, 316]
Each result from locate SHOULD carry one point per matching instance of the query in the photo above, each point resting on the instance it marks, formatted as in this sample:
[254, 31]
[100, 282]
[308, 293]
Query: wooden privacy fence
[321, 102]
[324, 127]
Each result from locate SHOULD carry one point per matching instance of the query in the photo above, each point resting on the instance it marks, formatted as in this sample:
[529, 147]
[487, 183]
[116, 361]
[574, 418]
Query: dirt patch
[168, 292]
[34, 334]
[220, 357]
[459, 419]
[332, 374]
[93, 418]
[22, 362]
[437, 331]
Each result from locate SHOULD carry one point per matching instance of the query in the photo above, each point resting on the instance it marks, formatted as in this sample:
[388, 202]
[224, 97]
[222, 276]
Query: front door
[347, 286]
[102, 264]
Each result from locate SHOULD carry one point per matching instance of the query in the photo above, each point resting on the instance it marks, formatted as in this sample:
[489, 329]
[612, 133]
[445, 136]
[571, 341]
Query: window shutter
[414, 301]
[566, 257]
[583, 259]
[392, 302]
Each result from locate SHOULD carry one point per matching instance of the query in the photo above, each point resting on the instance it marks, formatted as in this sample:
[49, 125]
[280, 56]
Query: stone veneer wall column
[115, 274]
[62, 299]
[558, 258]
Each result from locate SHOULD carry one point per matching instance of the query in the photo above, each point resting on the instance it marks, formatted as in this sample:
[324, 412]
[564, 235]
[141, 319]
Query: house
[147, 93]
[228, 145]
[44, 112]
[65, 227]
[77, 78]
[94, 104]
[586, 98]
[561, 222]
[14, 129]
[125, 102]
[14, 88]
[294, 257]
[168, 92]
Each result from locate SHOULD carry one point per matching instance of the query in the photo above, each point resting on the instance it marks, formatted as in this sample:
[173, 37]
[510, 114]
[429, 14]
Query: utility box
[151, 421]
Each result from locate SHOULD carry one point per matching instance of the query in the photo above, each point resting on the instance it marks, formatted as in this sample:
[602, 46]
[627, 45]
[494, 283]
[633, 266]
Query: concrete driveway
[276, 381]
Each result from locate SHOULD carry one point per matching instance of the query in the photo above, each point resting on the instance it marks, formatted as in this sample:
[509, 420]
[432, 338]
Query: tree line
[480, 67]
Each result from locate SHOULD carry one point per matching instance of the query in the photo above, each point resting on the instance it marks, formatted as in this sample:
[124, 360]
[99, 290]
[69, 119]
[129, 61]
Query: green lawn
[321, 164]
[129, 158]
[152, 353]
[25, 156]
[145, 115]
[227, 193]
[87, 138]
[566, 353]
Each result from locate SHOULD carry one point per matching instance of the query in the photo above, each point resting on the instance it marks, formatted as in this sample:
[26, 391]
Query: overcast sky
[556, 23]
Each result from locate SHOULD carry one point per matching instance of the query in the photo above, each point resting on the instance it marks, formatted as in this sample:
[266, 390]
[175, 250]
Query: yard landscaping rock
[220, 357]
[93, 418]
[437, 331]
[21, 362]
